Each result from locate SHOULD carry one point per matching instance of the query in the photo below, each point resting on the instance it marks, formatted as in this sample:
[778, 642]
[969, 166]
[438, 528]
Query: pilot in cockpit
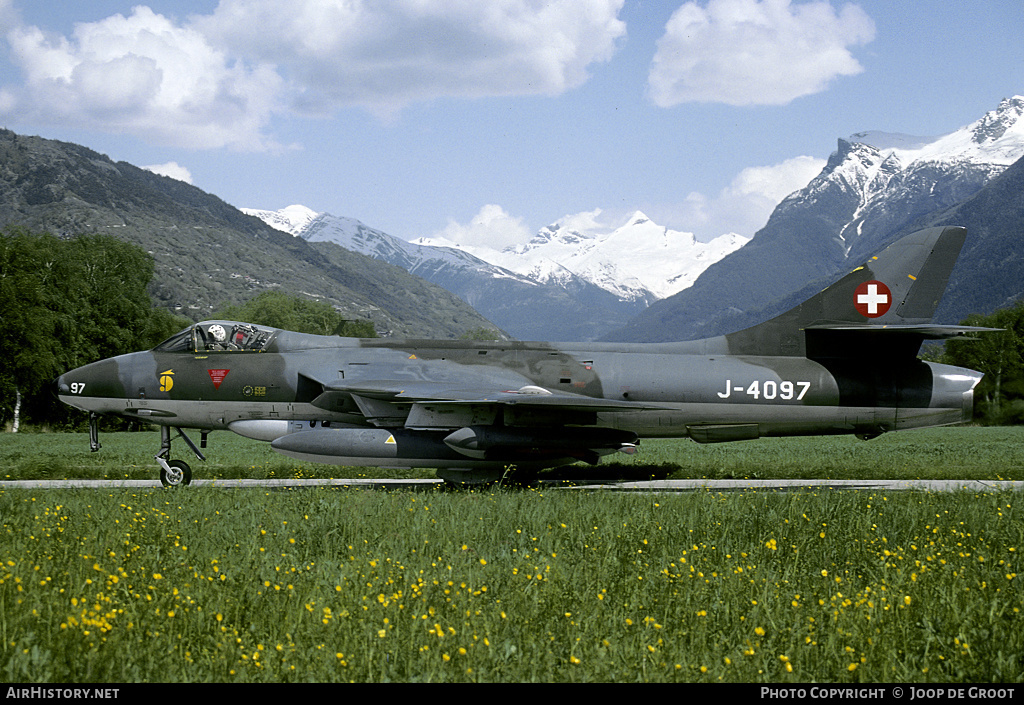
[230, 337]
[218, 338]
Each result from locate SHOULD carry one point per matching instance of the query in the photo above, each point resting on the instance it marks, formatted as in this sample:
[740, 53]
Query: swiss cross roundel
[872, 299]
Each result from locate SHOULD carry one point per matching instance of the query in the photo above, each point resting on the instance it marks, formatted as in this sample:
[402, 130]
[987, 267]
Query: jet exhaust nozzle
[953, 388]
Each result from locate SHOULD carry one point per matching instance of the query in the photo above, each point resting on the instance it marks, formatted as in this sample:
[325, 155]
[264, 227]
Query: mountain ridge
[527, 309]
[860, 202]
[207, 253]
[638, 260]
[571, 284]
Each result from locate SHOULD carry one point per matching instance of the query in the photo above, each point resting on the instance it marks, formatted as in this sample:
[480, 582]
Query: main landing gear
[176, 472]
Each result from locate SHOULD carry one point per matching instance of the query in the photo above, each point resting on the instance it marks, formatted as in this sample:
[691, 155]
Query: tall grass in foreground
[209, 584]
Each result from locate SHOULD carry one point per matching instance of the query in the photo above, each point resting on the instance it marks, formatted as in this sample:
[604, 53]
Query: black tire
[181, 474]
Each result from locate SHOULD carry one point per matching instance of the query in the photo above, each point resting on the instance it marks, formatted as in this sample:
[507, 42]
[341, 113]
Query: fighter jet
[843, 362]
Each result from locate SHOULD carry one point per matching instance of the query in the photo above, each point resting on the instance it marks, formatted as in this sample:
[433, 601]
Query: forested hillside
[206, 253]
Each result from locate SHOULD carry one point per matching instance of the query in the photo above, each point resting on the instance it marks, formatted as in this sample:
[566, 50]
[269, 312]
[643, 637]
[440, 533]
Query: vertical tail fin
[899, 287]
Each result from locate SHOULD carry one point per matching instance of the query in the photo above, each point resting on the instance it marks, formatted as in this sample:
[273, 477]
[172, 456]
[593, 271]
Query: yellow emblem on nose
[166, 380]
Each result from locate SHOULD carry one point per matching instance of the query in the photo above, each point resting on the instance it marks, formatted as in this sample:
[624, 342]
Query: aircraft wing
[388, 402]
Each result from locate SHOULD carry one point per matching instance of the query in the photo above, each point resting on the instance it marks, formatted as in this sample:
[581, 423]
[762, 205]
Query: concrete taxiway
[635, 486]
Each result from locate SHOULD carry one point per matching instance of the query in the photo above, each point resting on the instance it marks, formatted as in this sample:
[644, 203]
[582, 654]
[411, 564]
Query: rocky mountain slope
[874, 187]
[207, 253]
[990, 272]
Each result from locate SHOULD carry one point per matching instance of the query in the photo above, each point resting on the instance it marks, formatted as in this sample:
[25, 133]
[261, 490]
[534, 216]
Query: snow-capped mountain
[570, 309]
[355, 236]
[877, 182]
[874, 188]
[581, 283]
[292, 220]
[638, 261]
[569, 284]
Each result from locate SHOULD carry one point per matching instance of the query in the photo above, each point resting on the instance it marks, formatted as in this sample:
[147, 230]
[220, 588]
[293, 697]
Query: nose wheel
[174, 473]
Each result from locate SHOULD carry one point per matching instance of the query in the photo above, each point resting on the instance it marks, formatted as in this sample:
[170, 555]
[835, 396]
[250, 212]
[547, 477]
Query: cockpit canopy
[219, 336]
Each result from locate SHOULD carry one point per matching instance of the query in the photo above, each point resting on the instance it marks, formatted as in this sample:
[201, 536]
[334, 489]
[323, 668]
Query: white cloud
[746, 52]
[743, 207]
[773, 183]
[144, 75]
[492, 227]
[171, 169]
[386, 54]
[218, 80]
[591, 222]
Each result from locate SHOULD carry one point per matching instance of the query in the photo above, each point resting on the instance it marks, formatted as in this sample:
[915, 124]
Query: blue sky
[485, 121]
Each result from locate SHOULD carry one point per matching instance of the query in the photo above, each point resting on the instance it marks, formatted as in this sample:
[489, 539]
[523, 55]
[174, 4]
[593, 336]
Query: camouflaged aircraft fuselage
[845, 361]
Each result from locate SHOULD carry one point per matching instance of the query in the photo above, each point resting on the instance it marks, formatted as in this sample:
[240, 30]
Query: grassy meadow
[211, 584]
[961, 453]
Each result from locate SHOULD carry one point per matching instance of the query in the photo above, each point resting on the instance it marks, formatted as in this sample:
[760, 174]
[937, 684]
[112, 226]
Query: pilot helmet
[218, 333]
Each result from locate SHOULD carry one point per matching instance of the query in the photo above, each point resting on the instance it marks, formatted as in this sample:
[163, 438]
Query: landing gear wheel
[179, 473]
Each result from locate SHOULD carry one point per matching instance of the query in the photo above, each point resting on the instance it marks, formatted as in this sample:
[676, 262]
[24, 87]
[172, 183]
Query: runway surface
[636, 486]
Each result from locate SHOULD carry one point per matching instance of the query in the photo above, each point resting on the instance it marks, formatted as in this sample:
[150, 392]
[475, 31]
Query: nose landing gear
[177, 472]
[174, 473]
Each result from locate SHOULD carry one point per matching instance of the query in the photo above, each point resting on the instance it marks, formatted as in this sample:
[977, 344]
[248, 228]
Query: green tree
[280, 310]
[356, 329]
[1000, 355]
[29, 353]
[161, 325]
[482, 334]
[65, 303]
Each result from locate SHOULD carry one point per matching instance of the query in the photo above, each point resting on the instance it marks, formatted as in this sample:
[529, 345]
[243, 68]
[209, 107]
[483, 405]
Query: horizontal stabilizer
[925, 331]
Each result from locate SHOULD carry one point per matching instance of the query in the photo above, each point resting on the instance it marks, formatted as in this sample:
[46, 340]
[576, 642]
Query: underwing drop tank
[466, 447]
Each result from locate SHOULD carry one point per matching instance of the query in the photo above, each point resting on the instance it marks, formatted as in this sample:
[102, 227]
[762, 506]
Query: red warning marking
[217, 376]
[872, 299]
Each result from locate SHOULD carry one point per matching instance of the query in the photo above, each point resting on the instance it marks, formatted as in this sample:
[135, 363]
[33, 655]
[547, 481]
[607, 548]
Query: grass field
[211, 584]
[968, 453]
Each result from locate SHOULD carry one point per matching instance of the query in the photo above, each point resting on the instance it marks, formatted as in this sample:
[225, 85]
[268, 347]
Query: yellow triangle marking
[390, 441]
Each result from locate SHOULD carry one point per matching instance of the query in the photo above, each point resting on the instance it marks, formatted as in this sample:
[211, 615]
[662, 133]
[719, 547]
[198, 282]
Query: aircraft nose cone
[60, 386]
